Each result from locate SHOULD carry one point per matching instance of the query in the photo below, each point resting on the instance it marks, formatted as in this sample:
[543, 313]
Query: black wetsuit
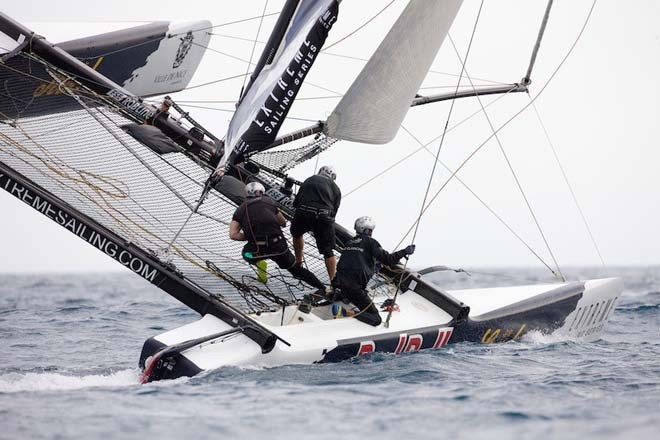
[258, 219]
[316, 205]
[356, 267]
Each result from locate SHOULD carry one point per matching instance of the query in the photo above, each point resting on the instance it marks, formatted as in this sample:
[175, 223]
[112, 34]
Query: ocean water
[70, 345]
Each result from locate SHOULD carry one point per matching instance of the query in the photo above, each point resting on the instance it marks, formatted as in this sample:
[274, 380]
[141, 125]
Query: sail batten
[376, 103]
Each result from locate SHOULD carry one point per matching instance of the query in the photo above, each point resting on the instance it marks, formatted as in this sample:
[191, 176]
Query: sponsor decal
[278, 104]
[402, 342]
[66, 220]
[443, 337]
[53, 87]
[172, 77]
[502, 334]
[279, 198]
[591, 319]
[131, 103]
[414, 343]
[184, 48]
[366, 347]
[268, 121]
[407, 343]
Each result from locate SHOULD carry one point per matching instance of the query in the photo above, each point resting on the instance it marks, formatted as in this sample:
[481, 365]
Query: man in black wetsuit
[357, 265]
[260, 223]
[316, 205]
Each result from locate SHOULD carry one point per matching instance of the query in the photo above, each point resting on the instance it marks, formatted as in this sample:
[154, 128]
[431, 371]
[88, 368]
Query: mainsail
[376, 103]
[279, 76]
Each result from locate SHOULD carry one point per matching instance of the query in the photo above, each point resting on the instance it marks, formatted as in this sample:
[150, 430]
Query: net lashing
[84, 157]
[283, 160]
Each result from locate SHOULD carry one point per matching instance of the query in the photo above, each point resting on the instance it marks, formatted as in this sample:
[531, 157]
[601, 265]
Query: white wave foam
[31, 382]
[537, 337]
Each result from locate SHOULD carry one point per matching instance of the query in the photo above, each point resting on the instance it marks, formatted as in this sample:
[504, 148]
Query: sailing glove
[409, 250]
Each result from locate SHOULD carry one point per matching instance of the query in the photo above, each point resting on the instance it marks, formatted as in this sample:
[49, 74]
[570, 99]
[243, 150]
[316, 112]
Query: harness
[316, 211]
[266, 241]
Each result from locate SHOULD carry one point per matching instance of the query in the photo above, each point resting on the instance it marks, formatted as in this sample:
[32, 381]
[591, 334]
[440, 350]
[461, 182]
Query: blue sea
[70, 346]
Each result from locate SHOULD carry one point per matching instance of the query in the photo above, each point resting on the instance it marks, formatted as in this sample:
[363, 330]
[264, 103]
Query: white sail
[376, 103]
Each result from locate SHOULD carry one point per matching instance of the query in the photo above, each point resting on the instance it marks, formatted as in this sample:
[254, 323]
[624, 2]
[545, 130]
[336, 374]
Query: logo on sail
[184, 48]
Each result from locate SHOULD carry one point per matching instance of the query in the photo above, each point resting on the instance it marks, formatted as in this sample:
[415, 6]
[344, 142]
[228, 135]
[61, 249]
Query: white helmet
[255, 189]
[364, 224]
[328, 171]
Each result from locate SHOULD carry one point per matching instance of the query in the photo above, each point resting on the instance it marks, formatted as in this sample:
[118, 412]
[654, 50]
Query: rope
[513, 172]
[508, 121]
[435, 162]
[568, 183]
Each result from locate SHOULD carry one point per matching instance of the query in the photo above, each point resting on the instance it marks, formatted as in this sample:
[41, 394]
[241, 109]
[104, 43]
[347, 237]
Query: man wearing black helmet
[260, 223]
[316, 205]
[357, 266]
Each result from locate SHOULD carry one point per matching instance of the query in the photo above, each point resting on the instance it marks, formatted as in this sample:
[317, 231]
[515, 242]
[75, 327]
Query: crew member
[316, 205]
[357, 266]
[161, 113]
[260, 223]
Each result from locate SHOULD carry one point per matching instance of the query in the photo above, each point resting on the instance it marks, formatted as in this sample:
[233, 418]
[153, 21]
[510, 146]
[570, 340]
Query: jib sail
[376, 103]
[279, 75]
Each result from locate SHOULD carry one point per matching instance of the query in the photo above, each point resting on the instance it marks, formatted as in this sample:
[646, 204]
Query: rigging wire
[242, 20]
[515, 115]
[568, 183]
[508, 162]
[234, 57]
[359, 28]
[365, 183]
[492, 211]
[362, 59]
[254, 45]
[160, 37]
[437, 156]
[232, 111]
[216, 81]
[227, 101]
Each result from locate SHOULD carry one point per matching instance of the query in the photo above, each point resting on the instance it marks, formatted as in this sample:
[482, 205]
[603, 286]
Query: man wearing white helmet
[316, 205]
[259, 222]
[358, 264]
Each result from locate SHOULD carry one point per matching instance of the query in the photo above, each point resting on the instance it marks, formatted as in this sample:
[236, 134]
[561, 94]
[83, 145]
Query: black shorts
[322, 226]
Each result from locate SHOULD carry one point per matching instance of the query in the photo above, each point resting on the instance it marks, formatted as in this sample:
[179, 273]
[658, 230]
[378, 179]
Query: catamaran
[155, 190]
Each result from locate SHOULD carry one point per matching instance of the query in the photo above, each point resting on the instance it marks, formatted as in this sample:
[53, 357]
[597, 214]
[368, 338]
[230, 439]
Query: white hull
[578, 311]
